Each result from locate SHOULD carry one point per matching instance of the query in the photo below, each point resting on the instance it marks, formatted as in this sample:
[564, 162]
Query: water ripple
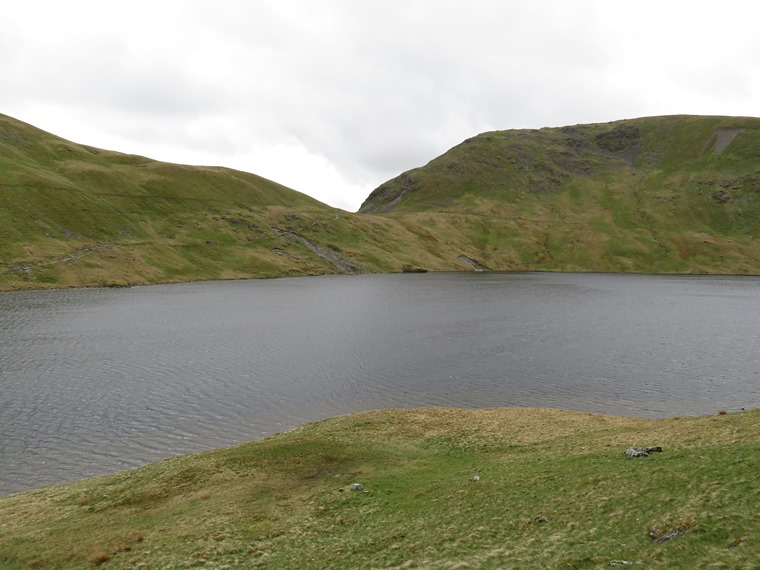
[94, 381]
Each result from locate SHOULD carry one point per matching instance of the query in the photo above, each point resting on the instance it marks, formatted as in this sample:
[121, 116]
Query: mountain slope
[662, 194]
[73, 215]
[675, 193]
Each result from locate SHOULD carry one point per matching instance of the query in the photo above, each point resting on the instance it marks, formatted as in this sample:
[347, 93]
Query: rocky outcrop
[642, 451]
[620, 138]
[476, 265]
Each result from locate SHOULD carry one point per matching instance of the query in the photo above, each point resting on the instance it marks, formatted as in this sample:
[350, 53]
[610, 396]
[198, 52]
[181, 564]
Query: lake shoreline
[53, 287]
[431, 409]
[335, 493]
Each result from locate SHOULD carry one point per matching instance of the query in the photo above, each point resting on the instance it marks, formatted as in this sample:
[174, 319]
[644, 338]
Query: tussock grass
[443, 488]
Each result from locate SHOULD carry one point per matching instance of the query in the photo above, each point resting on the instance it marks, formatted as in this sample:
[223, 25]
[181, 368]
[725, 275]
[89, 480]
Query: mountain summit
[507, 166]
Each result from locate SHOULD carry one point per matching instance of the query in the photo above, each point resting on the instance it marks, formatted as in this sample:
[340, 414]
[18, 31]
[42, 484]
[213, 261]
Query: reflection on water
[97, 380]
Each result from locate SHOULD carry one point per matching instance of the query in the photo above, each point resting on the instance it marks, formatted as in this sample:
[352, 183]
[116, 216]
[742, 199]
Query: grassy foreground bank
[443, 488]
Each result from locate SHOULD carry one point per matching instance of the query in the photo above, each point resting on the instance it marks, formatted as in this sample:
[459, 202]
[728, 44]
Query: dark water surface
[98, 380]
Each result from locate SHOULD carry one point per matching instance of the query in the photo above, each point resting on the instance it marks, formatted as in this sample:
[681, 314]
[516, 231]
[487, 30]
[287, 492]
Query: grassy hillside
[660, 194]
[75, 215]
[443, 488]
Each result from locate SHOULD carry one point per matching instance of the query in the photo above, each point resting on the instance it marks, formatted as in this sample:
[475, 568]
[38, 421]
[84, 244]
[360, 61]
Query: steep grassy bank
[443, 488]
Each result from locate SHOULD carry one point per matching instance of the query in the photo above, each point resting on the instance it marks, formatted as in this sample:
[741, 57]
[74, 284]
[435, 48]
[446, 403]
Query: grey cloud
[372, 87]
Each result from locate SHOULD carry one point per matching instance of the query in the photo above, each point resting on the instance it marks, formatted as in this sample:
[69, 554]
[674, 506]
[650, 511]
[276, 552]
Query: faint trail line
[79, 254]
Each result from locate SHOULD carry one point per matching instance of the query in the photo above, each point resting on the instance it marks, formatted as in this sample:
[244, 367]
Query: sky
[334, 97]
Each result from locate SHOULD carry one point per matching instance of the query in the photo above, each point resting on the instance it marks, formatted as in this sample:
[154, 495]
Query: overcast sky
[334, 97]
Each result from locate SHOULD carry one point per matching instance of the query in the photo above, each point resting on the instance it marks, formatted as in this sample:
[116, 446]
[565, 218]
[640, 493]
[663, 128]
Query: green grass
[555, 490]
[72, 215]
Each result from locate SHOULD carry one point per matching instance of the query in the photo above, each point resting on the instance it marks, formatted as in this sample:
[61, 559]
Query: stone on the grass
[642, 451]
